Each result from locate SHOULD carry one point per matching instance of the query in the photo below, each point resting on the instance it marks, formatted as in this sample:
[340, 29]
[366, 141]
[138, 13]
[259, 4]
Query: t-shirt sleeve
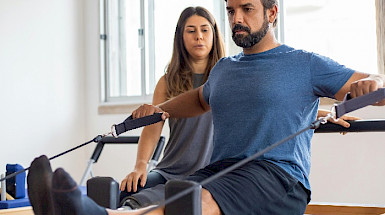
[212, 78]
[328, 76]
[206, 91]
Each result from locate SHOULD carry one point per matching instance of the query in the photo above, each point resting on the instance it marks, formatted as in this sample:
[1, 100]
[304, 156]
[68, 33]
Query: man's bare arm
[360, 84]
[188, 104]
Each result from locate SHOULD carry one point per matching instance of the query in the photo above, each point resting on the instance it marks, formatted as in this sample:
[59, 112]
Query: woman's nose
[199, 36]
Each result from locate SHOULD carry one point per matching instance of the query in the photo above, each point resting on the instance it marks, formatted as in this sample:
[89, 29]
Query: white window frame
[148, 81]
[148, 53]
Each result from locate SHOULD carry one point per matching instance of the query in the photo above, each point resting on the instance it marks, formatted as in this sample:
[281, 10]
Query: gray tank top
[190, 144]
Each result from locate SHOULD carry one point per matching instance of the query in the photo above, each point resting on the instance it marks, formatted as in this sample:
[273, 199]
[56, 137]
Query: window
[137, 38]
[343, 30]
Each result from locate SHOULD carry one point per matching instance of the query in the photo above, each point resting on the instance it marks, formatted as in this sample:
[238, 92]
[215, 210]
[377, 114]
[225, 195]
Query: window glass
[140, 38]
[343, 30]
[132, 46]
[139, 44]
[123, 51]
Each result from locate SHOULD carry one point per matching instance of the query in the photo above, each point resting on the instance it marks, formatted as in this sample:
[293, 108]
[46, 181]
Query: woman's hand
[341, 121]
[131, 180]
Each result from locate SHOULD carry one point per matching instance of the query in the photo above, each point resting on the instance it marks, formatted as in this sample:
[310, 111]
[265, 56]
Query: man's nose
[238, 18]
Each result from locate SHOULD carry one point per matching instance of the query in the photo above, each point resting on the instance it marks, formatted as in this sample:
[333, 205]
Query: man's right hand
[146, 110]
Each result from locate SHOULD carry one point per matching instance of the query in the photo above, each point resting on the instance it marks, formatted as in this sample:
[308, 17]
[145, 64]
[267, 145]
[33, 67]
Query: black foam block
[104, 191]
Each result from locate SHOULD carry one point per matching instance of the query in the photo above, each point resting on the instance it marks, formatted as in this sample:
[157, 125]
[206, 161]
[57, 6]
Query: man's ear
[272, 13]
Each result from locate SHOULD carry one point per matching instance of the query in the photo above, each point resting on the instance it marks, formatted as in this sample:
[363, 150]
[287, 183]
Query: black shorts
[258, 187]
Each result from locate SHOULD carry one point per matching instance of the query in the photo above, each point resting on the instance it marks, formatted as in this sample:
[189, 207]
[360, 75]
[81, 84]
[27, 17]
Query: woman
[197, 47]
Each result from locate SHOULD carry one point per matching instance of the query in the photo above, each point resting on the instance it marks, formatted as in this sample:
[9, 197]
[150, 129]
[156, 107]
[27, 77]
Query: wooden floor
[17, 211]
[343, 209]
[313, 208]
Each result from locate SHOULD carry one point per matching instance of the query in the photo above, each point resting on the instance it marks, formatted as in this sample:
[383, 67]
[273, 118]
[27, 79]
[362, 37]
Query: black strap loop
[372, 125]
[349, 105]
[129, 123]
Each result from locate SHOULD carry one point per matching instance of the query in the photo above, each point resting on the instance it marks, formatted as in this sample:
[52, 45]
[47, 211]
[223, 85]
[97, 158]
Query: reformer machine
[120, 140]
[190, 203]
[183, 197]
[105, 190]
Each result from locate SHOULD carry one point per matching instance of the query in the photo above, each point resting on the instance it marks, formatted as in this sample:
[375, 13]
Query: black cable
[96, 139]
[313, 125]
[126, 125]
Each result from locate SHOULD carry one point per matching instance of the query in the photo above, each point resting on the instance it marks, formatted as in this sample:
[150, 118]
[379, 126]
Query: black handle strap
[373, 125]
[130, 123]
[349, 105]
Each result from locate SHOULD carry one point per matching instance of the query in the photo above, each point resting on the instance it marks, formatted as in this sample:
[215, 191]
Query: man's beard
[251, 38]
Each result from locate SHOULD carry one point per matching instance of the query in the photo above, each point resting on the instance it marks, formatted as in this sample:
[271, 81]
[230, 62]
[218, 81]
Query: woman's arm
[147, 144]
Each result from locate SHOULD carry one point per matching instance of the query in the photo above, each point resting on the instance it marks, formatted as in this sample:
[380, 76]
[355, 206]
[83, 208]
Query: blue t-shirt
[259, 99]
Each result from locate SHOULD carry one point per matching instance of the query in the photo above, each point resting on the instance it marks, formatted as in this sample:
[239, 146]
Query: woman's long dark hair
[179, 71]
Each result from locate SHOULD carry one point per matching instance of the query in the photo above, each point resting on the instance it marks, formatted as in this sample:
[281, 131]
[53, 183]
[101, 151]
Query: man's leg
[145, 197]
[158, 211]
[68, 199]
[209, 205]
[258, 187]
[39, 186]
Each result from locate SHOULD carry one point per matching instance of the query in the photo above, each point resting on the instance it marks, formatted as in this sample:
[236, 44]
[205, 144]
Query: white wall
[42, 81]
[49, 64]
[350, 168]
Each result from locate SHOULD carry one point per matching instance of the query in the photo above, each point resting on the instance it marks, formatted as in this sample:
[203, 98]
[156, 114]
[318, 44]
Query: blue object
[23, 202]
[15, 203]
[16, 185]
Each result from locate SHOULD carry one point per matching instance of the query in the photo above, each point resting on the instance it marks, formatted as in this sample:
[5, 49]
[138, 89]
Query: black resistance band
[126, 125]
